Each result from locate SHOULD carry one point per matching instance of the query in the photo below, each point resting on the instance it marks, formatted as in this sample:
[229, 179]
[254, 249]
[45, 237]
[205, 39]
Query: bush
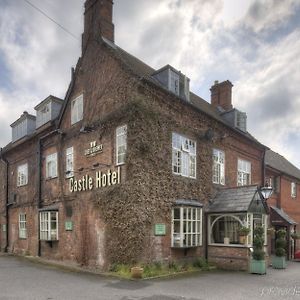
[258, 243]
[200, 263]
[280, 243]
[244, 231]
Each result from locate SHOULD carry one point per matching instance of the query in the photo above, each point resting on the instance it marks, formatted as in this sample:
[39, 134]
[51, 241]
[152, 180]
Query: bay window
[183, 156]
[186, 227]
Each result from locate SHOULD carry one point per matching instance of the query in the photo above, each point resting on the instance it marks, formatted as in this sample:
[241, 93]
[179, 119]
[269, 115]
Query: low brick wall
[230, 258]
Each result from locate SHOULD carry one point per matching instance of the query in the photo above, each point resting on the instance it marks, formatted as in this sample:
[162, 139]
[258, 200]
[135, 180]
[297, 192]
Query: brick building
[131, 166]
[284, 203]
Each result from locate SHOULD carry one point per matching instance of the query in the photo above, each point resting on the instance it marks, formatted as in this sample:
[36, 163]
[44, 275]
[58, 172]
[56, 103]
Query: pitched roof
[145, 72]
[233, 199]
[283, 215]
[280, 163]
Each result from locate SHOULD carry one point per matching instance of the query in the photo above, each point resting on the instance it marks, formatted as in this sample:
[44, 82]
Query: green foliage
[280, 243]
[295, 236]
[258, 243]
[158, 269]
[244, 231]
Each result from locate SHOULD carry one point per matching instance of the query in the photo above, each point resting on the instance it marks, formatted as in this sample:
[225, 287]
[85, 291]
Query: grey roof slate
[283, 215]
[233, 199]
[280, 163]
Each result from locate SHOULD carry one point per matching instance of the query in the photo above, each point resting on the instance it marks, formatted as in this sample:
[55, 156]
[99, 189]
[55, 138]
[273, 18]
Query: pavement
[26, 280]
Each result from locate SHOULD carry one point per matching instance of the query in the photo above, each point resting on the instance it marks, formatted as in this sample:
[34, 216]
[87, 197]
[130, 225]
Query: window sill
[50, 178]
[230, 245]
[23, 239]
[183, 176]
[120, 164]
[185, 247]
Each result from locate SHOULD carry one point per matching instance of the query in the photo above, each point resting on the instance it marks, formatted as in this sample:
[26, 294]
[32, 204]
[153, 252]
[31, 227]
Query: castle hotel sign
[100, 180]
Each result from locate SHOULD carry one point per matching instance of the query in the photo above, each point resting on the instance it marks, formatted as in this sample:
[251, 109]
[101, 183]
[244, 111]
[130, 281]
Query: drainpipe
[206, 236]
[6, 200]
[39, 180]
[263, 169]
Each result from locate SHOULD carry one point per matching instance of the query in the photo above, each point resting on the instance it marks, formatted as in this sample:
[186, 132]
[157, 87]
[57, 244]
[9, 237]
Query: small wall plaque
[68, 225]
[3, 227]
[160, 229]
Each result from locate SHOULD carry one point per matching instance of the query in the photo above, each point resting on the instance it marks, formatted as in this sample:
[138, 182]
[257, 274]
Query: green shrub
[280, 243]
[258, 243]
[200, 263]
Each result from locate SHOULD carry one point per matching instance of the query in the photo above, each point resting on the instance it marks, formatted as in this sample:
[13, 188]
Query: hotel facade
[131, 167]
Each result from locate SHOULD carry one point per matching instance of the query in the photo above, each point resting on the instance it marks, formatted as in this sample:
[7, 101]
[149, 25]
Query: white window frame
[121, 144]
[218, 167]
[243, 172]
[184, 161]
[69, 162]
[51, 165]
[47, 220]
[293, 189]
[77, 109]
[22, 226]
[191, 236]
[22, 175]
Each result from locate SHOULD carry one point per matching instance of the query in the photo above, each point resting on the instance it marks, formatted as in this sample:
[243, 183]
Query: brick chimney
[98, 21]
[221, 95]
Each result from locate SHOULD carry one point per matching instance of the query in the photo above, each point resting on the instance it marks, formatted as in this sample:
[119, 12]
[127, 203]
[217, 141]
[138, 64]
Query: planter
[137, 272]
[258, 267]
[243, 239]
[278, 262]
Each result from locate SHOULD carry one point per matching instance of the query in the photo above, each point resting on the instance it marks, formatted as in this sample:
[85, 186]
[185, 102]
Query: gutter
[6, 200]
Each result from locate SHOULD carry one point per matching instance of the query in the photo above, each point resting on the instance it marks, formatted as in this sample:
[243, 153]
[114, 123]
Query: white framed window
[186, 226]
[69, 162]
[183, 156]
[121, 144]
[293, 189]
[77, 110]
[49, 225]
[22, 175]
[218, 167]
[22, 226]
[51, 166]
[244, 172]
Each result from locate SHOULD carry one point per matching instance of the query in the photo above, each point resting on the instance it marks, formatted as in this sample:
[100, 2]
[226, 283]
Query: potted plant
[243, 232]
[137, 272]
[295, 236]
[279, 260]
[258, 263]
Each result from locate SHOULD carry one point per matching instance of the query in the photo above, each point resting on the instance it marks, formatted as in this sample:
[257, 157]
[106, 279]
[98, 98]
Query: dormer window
[174, 82]
[241, 121]
[24, 126]
[47, 110]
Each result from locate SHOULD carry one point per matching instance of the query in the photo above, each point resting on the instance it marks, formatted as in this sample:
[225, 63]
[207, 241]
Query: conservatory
[232, 216]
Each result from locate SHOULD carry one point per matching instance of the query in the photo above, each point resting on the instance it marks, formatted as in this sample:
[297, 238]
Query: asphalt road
[22, 279]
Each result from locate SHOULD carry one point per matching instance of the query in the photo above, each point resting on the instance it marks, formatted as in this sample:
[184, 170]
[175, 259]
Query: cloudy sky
[253, 43]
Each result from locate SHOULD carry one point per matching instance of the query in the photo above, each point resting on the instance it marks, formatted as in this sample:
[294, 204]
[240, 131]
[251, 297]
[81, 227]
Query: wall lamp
[266, 192]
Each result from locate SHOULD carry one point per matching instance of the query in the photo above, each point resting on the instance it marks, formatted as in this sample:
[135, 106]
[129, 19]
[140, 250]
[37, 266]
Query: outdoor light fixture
[266, 192]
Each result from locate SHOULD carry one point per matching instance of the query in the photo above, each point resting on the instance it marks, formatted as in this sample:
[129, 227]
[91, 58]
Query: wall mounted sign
[3, 227]
[68, 225]
[160, 229]
[94, 149]
[101, 179]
